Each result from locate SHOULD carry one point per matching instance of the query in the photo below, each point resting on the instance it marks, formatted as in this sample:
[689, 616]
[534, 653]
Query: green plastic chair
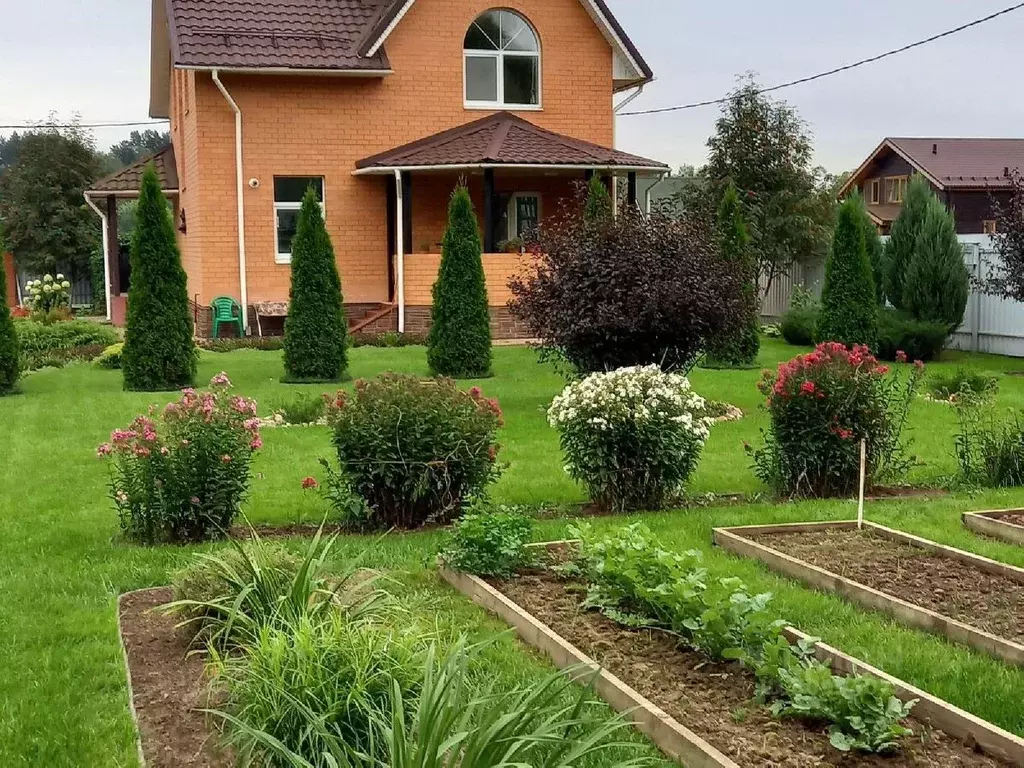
[226, 311]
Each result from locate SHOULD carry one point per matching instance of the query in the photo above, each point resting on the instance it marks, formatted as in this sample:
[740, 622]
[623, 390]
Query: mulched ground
[713, 700]
[1014, 519]
[956, 589]
[168, 687]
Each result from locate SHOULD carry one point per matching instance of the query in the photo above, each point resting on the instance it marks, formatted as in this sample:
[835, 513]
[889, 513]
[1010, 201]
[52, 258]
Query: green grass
[62, 688]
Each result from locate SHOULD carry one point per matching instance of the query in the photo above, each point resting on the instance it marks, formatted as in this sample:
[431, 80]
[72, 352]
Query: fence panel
[991, 324]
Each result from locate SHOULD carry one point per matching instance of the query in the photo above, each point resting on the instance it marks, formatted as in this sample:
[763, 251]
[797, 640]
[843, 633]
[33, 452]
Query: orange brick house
[382, 106]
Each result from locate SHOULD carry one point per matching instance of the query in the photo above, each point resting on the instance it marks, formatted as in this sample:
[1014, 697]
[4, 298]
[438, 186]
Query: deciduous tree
[1007, 279]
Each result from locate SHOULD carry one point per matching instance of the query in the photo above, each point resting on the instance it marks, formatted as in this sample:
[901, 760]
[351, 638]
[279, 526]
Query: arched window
[502, 62]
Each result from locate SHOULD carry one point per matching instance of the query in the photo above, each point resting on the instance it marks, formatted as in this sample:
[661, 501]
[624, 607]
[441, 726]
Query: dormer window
[502, 62]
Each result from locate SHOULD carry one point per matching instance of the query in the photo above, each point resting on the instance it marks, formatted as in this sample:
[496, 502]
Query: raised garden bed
[966, 597]
[702, 713]
[1007, 525]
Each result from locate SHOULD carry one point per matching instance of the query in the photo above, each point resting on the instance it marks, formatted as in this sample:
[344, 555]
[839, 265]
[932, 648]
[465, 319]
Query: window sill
[502, 108]
[284, 261]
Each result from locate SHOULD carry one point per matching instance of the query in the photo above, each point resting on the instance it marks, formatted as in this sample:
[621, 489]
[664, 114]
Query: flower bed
[1007, 525]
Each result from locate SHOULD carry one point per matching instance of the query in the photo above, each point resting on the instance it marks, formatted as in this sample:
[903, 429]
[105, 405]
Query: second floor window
[502, 62]
[895, 187]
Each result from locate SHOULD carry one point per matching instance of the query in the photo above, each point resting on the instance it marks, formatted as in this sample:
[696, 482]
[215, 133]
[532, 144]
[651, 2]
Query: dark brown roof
[129, 179]
[886, 213]
[503, 139]
[964, 163]
[275, 34]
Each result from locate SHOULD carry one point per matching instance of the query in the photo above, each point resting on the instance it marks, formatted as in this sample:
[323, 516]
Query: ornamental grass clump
[632, 437]
[822, 405]
[416, 451]
[180, 475]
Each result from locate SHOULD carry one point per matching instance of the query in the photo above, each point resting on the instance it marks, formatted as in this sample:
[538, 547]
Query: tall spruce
[315, 343]
[875, 249]
[599, 203]
[937, 284]
[9, 362]
[459, 343]
[159, 353]
[738, 347]
[849, 309]
[903, 238]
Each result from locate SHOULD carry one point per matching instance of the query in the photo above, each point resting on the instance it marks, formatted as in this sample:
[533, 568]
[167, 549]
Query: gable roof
[128, 180]
[502, 139]
[630, 68]
[952, 163]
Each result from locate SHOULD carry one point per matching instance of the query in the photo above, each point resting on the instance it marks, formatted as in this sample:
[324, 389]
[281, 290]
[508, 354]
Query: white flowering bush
[48, 294]
[633, 436]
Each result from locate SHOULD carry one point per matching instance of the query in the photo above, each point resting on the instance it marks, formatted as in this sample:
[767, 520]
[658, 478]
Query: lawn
[62, 691]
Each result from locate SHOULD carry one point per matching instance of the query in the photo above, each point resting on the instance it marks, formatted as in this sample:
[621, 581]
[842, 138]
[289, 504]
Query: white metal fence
[776, 301]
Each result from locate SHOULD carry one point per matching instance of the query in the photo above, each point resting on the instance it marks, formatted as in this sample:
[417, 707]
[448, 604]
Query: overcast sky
[92, 57]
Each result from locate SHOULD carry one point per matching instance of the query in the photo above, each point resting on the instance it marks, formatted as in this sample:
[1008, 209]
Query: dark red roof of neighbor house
[965, 162]
[275, 34]
[129, 179]
[503, 139]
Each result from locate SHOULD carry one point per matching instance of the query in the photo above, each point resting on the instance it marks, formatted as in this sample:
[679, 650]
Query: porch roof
[503, 140]
[127, 181]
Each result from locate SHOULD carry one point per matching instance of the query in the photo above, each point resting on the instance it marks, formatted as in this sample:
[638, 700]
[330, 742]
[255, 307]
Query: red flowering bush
[180, 474]
[416, 451]
[822, 405]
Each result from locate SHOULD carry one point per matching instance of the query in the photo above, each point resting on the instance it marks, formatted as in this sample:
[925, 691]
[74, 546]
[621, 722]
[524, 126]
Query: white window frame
[286, 258]
[513, 212]
[499, 57]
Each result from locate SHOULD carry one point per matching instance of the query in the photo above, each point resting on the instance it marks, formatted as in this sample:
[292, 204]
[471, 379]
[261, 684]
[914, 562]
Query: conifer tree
[459, 342]
[849, 309]
[9, 361]
[159, 353]
[599, 202]
[903, 237]
[937, 284]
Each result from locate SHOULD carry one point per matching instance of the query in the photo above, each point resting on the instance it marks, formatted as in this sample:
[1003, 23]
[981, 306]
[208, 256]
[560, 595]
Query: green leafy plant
[490, 543]
[416, 451]
[97, 274]
[799, 326]
[917, 339]
[315, 346]
[849, 304]
[822, 405]
[225, 344]
[35, 337]
[633, 436]
[989, 446]
[159, 353]
[181, 476]
[302, 409]
[459, 342]
[111, 357]
[388, 340]
[47, 295]
[947, 385]
[58, 358]
[10, 367]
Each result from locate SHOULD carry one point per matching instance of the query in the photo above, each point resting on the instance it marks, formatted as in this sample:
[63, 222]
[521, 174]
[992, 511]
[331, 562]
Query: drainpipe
[106, 252]
[400, 243]
[240, 190]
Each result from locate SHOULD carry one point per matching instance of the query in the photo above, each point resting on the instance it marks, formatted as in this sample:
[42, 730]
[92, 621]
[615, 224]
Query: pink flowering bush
[414, 451]
[180, 474]
[821, 405]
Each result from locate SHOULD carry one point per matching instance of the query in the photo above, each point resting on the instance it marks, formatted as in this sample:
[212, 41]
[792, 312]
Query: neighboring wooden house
[966, 174]
[381, 106]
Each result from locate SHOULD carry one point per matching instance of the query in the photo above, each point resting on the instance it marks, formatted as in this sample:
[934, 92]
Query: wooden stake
[863, 473]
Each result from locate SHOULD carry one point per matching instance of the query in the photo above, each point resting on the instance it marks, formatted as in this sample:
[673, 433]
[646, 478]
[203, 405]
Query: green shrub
[936, 282]
[821, 406]
[989, 448]
[35, 337]
[632, 437]
[389, 340]
[225, 344]
[459, 342]
[946, 385]
[802, 297]
[738, 347]
[159, 353]
[111, 357]
[181, 477]
[917, 339]
[490, 543]
[849, 306]
[416, 451]
[98, 275]
[903, 238]
[598, 205]
[799, 326]
[315, 345]
[876, 255]
[302, 409]
[58, 358]
[10, 356]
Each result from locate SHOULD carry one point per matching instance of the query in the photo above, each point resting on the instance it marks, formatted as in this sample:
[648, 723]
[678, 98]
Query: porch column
[407, 210]
[489, 210]
[631, 189]
[400, 219]
[113, 249]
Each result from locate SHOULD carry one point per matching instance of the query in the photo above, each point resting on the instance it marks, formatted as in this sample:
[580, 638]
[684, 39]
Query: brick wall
[320, 126]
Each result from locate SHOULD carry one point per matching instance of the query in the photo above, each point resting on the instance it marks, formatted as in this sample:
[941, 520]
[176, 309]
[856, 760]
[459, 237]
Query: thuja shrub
[625, 291]
[416, 451]
[180, 474]
[632, 437]
[10, 367]
[822, 405]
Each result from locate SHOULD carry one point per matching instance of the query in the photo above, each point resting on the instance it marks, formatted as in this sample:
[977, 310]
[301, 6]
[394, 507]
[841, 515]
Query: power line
[837, 70]
[44, 124]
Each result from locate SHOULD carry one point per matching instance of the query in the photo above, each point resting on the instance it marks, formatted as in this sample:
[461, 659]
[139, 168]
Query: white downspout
[106, 252]
[240, 184]
[400, 245]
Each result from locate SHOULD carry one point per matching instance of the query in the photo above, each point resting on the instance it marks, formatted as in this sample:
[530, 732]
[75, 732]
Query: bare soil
[168, 686]
[1012, 519]
[959, 590]
[714, 700]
